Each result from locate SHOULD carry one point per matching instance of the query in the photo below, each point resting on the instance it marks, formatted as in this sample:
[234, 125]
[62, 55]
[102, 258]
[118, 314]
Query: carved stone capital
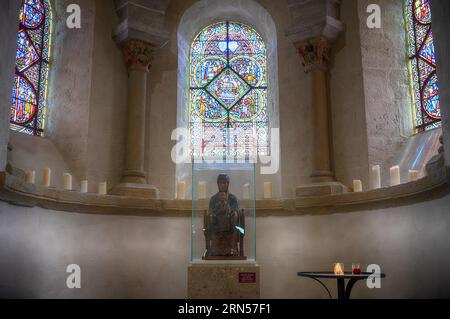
[314, 53]
[138, 55]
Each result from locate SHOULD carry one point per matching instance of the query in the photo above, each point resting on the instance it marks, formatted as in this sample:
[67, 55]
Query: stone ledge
[136, 190]
[321, 189]
[15, 191]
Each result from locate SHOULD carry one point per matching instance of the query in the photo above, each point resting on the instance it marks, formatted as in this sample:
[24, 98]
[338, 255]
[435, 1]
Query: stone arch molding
[200, 15]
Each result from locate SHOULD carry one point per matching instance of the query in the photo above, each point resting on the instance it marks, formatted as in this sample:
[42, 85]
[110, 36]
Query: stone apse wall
[88, 89]
[147, 257]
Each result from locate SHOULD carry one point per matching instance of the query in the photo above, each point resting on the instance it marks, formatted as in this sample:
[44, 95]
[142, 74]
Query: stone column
[315, 55]
[138, 56]
[315, 25]
[140, 31]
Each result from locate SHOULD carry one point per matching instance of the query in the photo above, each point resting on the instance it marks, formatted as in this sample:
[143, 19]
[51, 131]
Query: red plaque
[247, 277]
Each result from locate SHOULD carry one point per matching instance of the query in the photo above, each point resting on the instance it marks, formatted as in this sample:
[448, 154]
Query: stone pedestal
[217, 280]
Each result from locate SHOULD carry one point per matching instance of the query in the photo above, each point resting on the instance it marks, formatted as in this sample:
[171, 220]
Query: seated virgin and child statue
[224, 225]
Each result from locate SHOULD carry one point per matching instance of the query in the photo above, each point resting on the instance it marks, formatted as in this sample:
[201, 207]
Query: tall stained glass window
[32, 63]
[228, 92]
[423, 64]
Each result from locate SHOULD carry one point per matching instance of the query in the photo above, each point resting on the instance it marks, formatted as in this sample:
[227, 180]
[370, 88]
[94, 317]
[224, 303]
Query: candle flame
[338, 269]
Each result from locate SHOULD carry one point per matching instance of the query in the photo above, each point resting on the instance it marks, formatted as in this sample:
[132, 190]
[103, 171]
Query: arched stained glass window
[32, 64]
[228, 92]
[422, 64]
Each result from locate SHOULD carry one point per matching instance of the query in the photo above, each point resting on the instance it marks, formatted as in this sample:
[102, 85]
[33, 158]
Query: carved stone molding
[435, 185]
[314, 53]
[143, 20]
[314, 19]
[138, 54]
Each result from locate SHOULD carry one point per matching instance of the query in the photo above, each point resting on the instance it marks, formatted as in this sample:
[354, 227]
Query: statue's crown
[223, 177]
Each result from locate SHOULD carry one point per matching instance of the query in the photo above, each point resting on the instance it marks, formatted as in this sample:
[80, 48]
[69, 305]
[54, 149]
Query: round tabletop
[332, 275]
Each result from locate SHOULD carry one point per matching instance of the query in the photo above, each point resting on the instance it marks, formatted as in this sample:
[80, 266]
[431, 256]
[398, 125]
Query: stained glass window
[228, 92]
[32, 65]
[422, 64]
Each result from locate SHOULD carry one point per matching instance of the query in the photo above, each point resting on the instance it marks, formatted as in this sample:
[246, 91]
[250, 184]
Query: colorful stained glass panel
[25, 100]
[228, 100]
[32, 13]
[32, 62]
[249, 107]
[422, 56]
[208, 69]
[250, 70]
[228, 88]
[430, 97]
[422, 11]
[206, 107]
[26, 53]
[427, 50]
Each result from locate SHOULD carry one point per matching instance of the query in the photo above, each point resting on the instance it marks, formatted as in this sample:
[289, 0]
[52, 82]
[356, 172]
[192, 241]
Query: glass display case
[223, 212]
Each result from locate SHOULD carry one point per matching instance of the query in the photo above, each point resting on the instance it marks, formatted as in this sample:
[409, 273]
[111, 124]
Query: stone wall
[441, 30]
[147, 257]
[70, 86]
[108, 103]
[347, 103]
[295, 114]
[85, 127]
[386, 83]
[35, 154]
[8, 34]
[369, 98]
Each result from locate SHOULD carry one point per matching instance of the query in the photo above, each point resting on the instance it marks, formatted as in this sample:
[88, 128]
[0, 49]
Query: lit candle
[67, 181]
[395, 176]
[84, 187]
[246, 191]
[46, 178]
[376, 177]
[268, 190]
[357, 186]
[339, 269]
[30, 177]
[102, 188]
[413, 175]
[181, 190]
[201, 190]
